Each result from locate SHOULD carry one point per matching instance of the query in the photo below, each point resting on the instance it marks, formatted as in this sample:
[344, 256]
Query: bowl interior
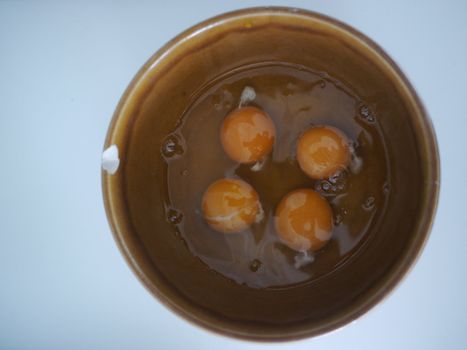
[158, 97]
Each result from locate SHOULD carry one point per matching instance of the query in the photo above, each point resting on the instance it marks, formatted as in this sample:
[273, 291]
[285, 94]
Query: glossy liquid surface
[296, 99]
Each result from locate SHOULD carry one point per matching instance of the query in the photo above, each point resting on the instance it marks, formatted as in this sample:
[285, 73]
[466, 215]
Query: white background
[63, 282]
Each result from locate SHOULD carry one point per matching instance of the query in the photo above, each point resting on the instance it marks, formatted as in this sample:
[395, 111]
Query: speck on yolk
[304, 220]
[231, 205]
[247, 134]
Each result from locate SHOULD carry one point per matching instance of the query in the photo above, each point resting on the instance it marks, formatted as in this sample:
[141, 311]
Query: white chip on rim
[110, 160]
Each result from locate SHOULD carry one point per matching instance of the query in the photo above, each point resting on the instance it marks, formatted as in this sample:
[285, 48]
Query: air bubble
[286, 92]
[386, 188]
[322, 84]
[255, 265]
[369, 203]
[366, 114]
[338, 219]
[334, 184]
[184, 172]
[335, 178]
[172, 146]
[216, 101]
[174, 216]
[289, 89]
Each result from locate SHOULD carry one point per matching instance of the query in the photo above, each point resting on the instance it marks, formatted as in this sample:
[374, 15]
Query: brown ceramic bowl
[157, 97]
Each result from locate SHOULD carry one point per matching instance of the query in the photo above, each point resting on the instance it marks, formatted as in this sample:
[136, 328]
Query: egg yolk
[322, 151]
[247, 134]
[230, 205]
[304, 220]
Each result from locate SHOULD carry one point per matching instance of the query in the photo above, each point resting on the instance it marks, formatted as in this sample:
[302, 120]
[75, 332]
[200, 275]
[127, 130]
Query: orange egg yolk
[322, 151]
[247, 134]
[304, 220]
[230, 205]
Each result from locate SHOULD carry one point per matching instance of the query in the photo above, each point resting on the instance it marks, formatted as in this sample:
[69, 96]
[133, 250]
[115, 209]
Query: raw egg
[247, 134]
[231, 205]
[322, 151]
[304, 220]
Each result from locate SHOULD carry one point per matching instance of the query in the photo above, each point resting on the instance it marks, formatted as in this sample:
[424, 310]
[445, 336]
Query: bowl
[151, 107]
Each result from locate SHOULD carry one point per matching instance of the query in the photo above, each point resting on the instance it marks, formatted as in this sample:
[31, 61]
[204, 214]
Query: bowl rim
[391, 281]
